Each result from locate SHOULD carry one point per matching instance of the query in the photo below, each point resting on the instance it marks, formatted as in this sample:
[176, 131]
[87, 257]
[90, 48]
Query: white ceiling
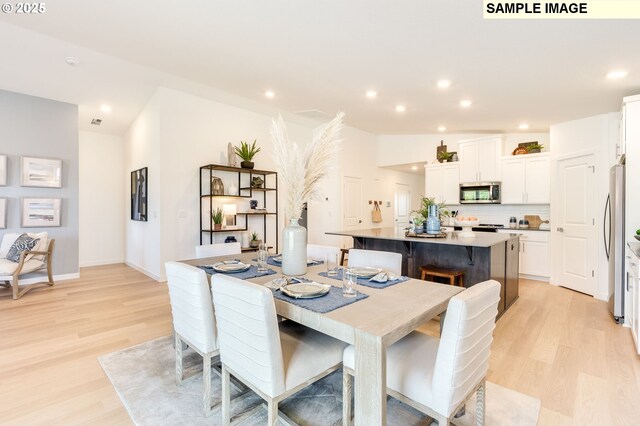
[323, 55]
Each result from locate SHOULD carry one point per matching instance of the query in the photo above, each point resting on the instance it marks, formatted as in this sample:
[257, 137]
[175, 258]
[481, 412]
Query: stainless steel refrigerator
[614, 240]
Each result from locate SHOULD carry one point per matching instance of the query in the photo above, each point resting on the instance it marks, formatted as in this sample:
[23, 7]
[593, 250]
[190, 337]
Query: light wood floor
[554, 344]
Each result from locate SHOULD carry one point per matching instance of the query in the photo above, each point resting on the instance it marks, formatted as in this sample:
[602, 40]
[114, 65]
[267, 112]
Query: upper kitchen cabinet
[442, 182]
[479, 159]
[525, 179]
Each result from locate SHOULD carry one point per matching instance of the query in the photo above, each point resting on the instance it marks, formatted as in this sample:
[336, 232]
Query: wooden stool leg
[424, 275]
[461, 282]
[452, 280]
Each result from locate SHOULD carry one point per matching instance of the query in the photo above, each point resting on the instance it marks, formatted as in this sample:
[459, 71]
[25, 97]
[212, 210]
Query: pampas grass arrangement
[300, 172]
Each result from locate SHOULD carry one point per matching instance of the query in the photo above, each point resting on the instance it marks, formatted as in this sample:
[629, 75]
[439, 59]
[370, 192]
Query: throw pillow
[22, 243]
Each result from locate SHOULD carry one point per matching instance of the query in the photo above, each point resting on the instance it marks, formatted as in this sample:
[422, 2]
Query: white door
[576, 225]
[513, 181]
[468, 162]
[451, 184]
[402, 205]
[487, 152]
[351, 206]
[538, 184]
[433, 182]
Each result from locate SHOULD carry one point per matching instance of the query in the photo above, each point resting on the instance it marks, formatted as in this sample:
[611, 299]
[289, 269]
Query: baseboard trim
[101, 262]
[144, 271]
[37, 277]
[534, 277]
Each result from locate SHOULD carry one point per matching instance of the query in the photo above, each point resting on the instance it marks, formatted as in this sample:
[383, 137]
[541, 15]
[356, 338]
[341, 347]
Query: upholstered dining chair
[318, 252]
[436, 376]
[274, 359]
[193, 321]
[390, 262]
[218, 249]
[38, 258]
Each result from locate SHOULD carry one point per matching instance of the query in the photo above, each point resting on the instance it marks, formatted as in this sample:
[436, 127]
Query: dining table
[371, 324]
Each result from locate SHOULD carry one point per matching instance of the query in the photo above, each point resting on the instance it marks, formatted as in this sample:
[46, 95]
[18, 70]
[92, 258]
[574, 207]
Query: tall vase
[294, 249]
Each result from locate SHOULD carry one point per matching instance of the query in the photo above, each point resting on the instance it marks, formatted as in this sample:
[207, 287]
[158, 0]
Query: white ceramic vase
[294, 249]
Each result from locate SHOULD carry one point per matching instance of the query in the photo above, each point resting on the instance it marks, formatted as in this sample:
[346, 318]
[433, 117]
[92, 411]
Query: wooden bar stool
[433, 271]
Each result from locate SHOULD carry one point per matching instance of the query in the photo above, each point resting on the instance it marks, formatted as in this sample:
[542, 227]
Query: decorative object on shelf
[40, 212]
[231, 155]
[433, 220]
[440, 149]
[528, 148]
[520, 151]
[301, 173]
[217, 215]
[230, 239]
[3, 170]
[418, 222]
[255, 242]
[454, 156]
[229, 214]
[139, 199]
[253, 204]
[534, 148]
[247, 152]
[217, 186]
[3, 213]
[534, 221]
[244, 238]
[41, 172]
[233, 189]
[257, 182]
[445, 156]
[513, 222]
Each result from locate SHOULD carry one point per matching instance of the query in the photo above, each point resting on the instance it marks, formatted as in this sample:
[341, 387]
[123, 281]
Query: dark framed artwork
[139, 194]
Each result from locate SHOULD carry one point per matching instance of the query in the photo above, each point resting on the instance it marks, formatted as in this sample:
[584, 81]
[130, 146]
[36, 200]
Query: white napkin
[383, 277]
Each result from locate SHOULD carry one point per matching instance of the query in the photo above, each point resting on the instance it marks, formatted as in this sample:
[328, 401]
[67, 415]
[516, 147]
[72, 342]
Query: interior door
[468, 162]
[576, 225]
[538, 185]
[351, 206]
[433, 182]
[451, 185]
[402, 205]
[513, 181]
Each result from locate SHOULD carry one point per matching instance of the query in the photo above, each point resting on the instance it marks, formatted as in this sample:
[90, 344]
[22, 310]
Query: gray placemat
[252, 272]
[323, 304]
[365, 281]
[272, 262]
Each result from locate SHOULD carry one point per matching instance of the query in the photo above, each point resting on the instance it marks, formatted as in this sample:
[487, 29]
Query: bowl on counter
[637, 237]
[466, 225]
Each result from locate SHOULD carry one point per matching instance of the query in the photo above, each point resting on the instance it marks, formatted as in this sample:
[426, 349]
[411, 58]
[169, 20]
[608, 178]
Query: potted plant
[426, 202]
[217, 215]
[255, 242]
[535, 148]
[418, 222]
[445, 156]
[247, 152]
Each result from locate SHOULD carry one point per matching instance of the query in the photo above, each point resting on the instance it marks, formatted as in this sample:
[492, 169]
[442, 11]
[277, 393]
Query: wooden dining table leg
[371, 380]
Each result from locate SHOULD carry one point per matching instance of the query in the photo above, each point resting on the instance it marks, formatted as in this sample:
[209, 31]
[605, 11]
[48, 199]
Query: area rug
[144, 378]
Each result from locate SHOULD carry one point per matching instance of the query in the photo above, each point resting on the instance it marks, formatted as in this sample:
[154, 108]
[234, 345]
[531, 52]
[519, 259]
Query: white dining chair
[390, 262]
[218, 249]
[318, 252]
[437, 376]
[274, 359]
[193, 320]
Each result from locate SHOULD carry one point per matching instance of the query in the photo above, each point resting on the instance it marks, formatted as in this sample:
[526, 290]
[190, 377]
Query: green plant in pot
[445, 156]
[255, 242]
[427, 202]
[246, 152]
[217, 215]
[533, 149]
[418, 222]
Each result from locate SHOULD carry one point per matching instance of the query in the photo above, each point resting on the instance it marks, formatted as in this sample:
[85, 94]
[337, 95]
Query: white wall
[593, 134]
[101, 202]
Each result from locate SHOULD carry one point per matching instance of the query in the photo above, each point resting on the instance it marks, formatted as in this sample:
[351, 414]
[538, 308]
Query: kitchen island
[484, 256]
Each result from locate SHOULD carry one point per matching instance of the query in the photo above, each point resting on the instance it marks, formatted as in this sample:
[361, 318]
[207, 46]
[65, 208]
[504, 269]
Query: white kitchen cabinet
[535, 258]
[479, 159]
[526, 179]
[442, 182]
[632, 316]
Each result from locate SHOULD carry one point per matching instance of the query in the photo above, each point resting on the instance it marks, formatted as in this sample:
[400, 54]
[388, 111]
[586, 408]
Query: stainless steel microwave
[480, 193]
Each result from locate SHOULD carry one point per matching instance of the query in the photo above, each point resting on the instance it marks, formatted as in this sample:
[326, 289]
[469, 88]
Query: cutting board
[534, 221]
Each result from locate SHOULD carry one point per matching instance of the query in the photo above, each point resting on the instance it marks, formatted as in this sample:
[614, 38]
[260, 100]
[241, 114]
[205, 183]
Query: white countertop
[480, 239]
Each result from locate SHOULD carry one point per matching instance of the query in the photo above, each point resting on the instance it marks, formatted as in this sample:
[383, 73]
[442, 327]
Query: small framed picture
[139, 194]
[41, 212]
[3, 170]
[40, 172]
[3, 213]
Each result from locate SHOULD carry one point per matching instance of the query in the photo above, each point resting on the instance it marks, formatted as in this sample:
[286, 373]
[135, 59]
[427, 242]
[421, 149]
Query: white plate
[230, 268]
[365, 271]
[277, 259]
[306, 290]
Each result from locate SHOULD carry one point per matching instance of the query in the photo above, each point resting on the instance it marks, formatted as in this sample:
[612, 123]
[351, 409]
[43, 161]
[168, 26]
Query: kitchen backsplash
[500, 214]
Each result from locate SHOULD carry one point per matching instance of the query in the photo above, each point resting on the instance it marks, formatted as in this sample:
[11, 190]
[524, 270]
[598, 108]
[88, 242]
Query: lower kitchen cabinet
[535, 259]
[632, 294]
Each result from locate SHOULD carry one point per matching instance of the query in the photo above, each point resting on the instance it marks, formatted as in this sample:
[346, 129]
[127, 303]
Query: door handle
[560, 229]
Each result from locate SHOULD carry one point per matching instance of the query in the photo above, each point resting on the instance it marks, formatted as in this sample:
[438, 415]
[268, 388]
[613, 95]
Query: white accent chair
[274, 359]
[37, 259]
[390, 262]
[437, 376]
[218, 249]
[193, 320]
[318, 252]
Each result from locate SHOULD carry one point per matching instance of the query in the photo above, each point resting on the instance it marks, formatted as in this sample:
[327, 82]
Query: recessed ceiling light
[444, 84]
[371, 94]
[465, 103]
[442, 129]
[414, 167]
[70, 60]
[523, 126]
[616, 74]
[269, 94]
[105, 108]
[401, 108]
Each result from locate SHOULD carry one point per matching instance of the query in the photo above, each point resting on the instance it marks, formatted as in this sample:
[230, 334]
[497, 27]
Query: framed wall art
[3, 213]
[139, 195]
[40, 212]
[3, 170]
[40, 172]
